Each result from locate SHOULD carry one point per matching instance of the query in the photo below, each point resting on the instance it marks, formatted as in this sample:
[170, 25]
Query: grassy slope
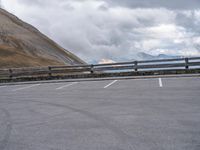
[22, 45]
[14, 58]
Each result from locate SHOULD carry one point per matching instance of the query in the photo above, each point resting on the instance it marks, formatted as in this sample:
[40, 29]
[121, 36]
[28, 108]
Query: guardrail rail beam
[135, 67]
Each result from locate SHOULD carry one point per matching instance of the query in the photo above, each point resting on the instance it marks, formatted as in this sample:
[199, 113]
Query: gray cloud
[28, 2]
[171, 4]
[114, 29]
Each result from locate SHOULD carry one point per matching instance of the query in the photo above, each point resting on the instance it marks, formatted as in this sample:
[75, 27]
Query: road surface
[143, 114]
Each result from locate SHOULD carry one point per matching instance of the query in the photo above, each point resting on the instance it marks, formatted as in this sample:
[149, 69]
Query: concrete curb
[103, 79]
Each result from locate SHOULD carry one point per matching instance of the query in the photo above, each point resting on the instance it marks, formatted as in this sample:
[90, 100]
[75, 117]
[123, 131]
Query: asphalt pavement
[132, 114]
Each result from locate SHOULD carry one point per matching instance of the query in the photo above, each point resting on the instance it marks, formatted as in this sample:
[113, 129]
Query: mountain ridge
[146, 56]
[20, 38]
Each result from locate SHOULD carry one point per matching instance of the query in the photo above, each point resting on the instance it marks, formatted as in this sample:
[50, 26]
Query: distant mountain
[22, 45]
[145, 56]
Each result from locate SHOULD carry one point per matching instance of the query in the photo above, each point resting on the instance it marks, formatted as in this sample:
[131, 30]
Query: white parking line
[7, 86]
[110, 84]
[62, 87]
[26, 87]
[160, 82]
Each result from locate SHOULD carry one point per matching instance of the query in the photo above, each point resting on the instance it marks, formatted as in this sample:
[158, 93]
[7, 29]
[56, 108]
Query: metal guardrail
[135, 66]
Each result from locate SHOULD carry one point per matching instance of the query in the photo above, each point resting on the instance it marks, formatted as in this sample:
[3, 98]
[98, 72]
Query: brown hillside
[22, 45]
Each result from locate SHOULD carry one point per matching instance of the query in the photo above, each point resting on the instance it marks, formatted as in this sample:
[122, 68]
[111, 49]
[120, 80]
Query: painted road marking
[27, 87]
[7, 86]
[62, 87]
[160, 82]
[110, 84]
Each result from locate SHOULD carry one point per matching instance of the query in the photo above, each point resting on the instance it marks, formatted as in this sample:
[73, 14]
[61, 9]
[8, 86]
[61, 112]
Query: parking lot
[139, 114]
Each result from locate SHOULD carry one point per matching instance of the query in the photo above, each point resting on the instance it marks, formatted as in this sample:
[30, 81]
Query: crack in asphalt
[5, 141]
[120, 134]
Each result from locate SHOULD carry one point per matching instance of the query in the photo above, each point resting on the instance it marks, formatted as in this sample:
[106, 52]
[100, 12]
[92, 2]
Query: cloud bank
[113, 29]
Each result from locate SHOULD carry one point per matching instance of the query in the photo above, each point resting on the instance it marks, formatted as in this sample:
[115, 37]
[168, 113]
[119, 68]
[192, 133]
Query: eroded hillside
[22, 45]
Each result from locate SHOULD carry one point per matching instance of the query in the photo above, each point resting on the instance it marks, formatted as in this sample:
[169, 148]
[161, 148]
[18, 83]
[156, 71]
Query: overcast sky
[101, 30]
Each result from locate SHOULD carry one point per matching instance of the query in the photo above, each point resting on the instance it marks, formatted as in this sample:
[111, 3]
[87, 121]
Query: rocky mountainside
[145, 56]
[22, 45]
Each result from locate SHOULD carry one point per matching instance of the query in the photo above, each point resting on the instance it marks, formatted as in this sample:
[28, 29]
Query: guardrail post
[136, 66]
[10, 73]
[92, 69]
[50, 74]
[186, 63]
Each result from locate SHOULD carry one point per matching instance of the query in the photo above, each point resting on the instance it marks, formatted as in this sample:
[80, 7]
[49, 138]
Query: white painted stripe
[26, 87]
[6, 86]
[160, 82]
[62, 87]
[110, 84]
